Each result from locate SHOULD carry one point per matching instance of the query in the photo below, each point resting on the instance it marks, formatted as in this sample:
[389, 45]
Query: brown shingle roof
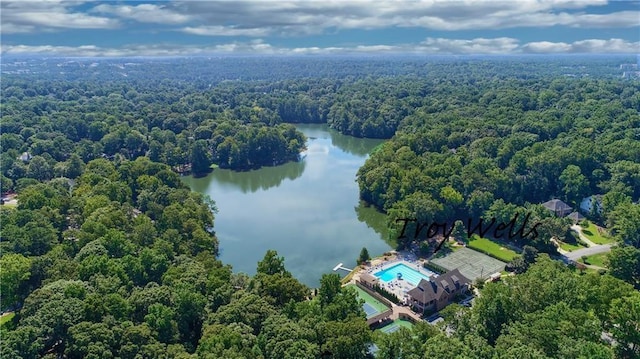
[428, 290]
[368, 278]
[557, 206]
[576, 217]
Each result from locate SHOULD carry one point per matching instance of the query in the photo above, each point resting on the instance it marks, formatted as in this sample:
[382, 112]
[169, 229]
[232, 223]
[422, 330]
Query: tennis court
[472, 264]
[396, 325]
[369, 310]
[371, 305]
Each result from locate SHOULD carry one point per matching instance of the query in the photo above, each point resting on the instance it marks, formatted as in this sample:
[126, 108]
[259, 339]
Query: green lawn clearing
[493, 248]
[596, 237]
[6, 318]
[571, 246]
[596, 260]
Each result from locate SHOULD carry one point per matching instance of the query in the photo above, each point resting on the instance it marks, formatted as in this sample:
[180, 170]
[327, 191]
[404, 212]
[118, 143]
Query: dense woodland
[486, 148]
[109, 255]
[124, 266]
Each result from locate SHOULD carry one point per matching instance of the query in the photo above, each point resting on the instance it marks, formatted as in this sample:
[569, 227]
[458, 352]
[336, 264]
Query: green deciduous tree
[271, 263]
[625, 220]
[575, 184]
[161, 319]
[625, 320]
[624, 263]
[39, 169]
[200, 157]
[346, 339]
[13, 276]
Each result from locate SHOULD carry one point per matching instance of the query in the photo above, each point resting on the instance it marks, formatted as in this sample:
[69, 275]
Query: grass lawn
[571, 246]
[454, 246]
[596, 260]
[6, 318]
[483, 244]
[594, 236]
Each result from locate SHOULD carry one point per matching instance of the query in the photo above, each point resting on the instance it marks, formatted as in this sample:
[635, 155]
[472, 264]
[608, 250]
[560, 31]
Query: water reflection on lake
[308, 211]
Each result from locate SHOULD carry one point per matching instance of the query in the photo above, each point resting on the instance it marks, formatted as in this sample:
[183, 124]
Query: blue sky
[169, 28]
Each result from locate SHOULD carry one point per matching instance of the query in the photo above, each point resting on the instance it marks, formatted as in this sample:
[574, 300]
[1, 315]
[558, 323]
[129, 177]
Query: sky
[288, 27]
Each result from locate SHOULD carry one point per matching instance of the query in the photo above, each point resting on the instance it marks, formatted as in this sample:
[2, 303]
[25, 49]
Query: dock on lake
[339, 266]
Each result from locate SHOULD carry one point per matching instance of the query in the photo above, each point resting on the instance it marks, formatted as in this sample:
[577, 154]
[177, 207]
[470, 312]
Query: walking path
[576, 228]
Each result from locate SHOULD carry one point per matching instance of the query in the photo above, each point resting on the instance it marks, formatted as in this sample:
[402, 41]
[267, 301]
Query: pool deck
[399, 287]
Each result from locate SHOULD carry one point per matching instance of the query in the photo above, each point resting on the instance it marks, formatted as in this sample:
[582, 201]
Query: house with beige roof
[436, 293]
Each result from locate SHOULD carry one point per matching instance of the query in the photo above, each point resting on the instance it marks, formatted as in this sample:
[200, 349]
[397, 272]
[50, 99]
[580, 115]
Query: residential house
[587, 203]
[576, 217]
[436, 293]
[25, 157]
[558, 207]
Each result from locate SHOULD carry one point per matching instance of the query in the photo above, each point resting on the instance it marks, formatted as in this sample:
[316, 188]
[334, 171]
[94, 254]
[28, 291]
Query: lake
[309, 211]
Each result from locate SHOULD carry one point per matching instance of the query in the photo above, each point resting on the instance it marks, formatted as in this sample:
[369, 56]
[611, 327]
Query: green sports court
[472, 264]
[371, 305]
[396, 325]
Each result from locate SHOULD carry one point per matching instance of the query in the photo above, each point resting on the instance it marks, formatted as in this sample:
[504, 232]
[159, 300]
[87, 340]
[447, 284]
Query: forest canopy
[109, 255]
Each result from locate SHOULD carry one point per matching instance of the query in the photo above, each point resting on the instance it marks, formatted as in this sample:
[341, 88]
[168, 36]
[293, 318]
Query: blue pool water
[408, 274]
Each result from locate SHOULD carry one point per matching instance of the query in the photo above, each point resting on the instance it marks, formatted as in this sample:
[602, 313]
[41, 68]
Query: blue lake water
[309, 211]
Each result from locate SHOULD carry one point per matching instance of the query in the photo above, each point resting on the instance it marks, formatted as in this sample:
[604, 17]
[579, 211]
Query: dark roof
[557, 205]
[576, 217]
[428, 290]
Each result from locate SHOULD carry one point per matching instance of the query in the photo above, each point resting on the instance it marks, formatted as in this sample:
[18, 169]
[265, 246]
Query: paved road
[591, 250]
[575, 255]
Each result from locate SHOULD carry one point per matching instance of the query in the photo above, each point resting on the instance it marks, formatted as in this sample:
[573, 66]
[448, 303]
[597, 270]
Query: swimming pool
[408, 274]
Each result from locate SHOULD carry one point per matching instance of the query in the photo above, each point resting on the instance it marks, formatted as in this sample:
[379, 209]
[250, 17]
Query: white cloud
[67, 20]
[225, 31]
[258, 18]
[253, 47]
[501, 45]
[431, 46]
[299, 17]
[598, 46]
[150, 13]
[547, 47]
[33, 16]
